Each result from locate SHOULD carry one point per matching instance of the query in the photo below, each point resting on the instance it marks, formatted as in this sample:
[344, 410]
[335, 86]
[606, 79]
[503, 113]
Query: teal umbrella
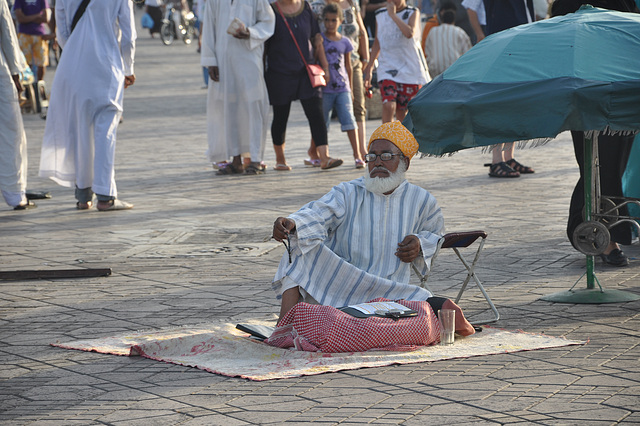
[579, 71]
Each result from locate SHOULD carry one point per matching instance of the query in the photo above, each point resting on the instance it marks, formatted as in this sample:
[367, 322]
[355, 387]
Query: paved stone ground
[193, 250]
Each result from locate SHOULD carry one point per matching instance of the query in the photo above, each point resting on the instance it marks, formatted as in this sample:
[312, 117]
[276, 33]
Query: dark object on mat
[38, 195]
[260, 332]
[54, 273]
[395, 313]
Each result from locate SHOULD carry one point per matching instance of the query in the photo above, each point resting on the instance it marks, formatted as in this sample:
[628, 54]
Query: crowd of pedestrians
[256, 56]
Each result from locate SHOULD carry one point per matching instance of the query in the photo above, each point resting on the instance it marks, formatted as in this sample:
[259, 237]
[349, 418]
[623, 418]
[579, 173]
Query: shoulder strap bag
[315, 72]
[79, 13]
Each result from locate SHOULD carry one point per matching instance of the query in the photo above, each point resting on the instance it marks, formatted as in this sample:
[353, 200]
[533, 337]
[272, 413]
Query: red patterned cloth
[320, 328]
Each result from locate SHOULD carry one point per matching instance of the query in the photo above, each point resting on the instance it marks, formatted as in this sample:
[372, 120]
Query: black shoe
[38, 195]
[28, 205]
[615, 258]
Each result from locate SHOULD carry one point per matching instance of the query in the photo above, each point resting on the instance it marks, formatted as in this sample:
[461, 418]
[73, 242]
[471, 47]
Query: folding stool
[455, 241]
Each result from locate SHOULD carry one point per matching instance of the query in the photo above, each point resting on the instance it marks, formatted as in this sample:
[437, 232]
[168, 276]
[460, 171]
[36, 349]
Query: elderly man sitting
[357, 242]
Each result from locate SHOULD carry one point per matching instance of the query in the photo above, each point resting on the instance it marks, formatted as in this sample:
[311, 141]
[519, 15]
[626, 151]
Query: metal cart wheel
[608, 205]
[591, 238]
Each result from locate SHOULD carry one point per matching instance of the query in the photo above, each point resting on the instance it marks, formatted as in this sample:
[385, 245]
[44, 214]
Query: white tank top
[400, 59]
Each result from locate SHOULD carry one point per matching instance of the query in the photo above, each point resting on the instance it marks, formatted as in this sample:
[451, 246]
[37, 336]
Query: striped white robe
[13, 141]
[343, 251]
[444, 45]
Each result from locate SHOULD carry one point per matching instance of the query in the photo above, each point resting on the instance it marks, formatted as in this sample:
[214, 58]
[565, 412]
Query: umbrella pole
[591, 294]
[590, 163]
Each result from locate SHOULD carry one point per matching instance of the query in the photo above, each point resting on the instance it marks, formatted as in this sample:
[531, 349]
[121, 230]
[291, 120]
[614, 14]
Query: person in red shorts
[402, 68]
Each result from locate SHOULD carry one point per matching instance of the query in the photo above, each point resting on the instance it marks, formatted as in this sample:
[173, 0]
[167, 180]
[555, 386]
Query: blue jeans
[344, 108]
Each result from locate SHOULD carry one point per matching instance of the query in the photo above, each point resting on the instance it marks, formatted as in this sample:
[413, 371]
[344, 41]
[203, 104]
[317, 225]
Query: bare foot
[463, 327]
[84, 206]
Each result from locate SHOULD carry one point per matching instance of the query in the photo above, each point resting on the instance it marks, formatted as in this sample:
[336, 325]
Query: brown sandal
[230, 169]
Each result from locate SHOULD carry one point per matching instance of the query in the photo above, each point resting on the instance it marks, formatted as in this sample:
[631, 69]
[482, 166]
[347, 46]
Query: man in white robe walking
[358, 242]
[86, 99]
[237, 100]
[13, 141]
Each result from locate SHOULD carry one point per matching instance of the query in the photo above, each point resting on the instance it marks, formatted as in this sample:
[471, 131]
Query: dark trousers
[613, 152]
[312, 109]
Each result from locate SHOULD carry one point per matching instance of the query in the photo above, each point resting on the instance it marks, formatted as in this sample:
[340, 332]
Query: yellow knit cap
[398, 135]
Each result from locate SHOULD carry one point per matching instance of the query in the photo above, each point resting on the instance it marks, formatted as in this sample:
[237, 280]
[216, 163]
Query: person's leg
[463, 327]
[344, 108]
[13, 147]
[278, 133]
[613, 155]
[388, 111]
[259, 113]
[353, 140]
[289, 299]
[104, 183]
[388, 94]
[400, 113]
[314, 158]
[328, 103]
[328, 100]
[576, 204]
[313, 110]
[497, 154]
[84, 197]
[362, 131]
[177, 21]
[405, 92]
[498, 167]
[41, 56]
[508, 151]
[359, 105]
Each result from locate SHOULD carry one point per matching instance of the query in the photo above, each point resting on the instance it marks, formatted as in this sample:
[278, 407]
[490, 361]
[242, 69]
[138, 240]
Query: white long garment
[237, 105]
[444, 45]
[343, 251]
[13, 142]
[86, 96]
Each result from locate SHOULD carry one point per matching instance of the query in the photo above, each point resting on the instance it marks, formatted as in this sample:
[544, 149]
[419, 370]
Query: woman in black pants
[287, 78]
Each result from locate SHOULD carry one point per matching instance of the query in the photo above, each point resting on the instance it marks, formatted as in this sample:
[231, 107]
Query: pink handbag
[316, 73]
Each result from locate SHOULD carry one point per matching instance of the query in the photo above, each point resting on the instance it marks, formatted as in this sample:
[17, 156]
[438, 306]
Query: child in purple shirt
[34, 32]
[337, 93]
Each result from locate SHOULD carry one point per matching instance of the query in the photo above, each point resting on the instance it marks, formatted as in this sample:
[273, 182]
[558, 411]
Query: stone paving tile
[192, 251]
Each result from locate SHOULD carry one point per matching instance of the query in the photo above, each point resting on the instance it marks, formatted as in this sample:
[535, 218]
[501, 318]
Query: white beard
[380, 186]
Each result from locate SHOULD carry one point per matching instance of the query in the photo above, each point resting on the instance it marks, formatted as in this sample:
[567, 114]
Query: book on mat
[260, 332]
[381, 309]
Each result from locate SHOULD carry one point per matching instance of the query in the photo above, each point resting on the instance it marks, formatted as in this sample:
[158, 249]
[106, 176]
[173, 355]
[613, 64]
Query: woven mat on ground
[222, 349]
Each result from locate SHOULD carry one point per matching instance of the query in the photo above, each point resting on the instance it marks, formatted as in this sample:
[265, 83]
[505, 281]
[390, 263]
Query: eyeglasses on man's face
[385, 156]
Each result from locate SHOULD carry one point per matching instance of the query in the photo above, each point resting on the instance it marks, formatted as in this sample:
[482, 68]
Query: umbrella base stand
[590, 294]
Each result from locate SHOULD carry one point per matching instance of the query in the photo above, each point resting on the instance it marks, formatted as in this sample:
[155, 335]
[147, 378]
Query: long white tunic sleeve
[13, 142]
[237, 105]
[87, 94]
[343, 251]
